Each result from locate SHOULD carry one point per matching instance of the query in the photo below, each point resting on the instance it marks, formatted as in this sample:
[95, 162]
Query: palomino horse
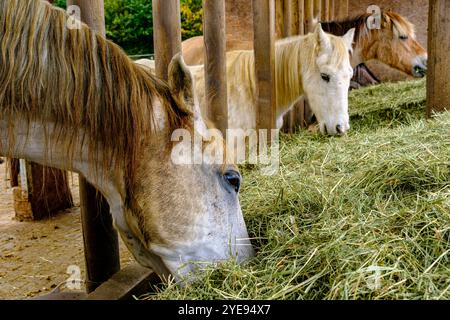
[316, 65]
[73, 100]
[394, 43]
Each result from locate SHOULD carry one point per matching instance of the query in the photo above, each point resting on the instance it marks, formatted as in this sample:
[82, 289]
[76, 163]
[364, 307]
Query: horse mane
[77, 79]
[390, 20]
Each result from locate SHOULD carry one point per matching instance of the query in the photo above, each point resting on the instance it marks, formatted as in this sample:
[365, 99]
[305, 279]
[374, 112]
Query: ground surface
[34, 256]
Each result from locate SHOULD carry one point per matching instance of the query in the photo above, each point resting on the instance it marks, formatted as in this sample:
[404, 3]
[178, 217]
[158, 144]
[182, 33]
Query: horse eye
[233, 178]
[403, 37]
[325, 77]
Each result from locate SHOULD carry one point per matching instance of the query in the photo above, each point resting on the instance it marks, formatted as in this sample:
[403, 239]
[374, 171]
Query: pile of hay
[366, 216]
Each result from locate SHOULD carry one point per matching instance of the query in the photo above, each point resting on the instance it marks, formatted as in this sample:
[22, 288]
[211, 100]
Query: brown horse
[394, 43]
[73, 100]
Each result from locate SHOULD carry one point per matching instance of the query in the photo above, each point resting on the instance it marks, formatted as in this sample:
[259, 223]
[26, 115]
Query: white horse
[316, 66]
[73, 100]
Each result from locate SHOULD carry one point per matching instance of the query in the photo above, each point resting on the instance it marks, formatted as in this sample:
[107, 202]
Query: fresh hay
[366, 216]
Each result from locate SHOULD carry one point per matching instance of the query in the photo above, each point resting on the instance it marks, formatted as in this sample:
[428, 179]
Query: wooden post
[438, 81]
[298, 110]
[215, 63]
[101, 244]
[288, 119]
[309, 19]
[264, 48]
[167, 33]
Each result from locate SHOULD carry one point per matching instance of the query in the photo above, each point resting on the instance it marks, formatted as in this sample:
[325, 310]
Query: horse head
[326, 80]
[395, 44]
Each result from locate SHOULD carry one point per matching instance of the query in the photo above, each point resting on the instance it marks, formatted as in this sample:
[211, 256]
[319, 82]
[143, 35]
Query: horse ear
[322, 39]
[181, 83]
[348, 38]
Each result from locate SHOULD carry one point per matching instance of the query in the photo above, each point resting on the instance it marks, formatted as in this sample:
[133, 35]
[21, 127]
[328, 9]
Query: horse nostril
[339, 129]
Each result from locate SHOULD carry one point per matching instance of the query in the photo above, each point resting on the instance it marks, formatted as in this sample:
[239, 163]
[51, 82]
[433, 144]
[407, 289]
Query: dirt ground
[35, 256]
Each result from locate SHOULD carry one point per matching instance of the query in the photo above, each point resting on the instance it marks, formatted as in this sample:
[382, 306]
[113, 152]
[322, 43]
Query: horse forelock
[294, 54]
[396, 22]
[76, 79]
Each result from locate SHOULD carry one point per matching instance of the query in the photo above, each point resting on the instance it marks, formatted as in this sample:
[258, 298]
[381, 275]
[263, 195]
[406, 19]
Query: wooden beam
[264, 48]
[167, 33]
[101, 243]
[438, 81]
[133, 280]
[215, 63]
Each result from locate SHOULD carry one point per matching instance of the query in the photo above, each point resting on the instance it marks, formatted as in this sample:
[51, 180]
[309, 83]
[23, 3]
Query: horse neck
[288, 70]
[362, 34]
[41, 142]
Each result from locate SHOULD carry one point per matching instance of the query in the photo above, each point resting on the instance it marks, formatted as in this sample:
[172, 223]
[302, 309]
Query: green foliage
[129, 23]
[60, 3]
[191, 18]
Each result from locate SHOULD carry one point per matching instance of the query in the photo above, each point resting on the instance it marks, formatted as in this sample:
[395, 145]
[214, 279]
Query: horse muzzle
[420, 69]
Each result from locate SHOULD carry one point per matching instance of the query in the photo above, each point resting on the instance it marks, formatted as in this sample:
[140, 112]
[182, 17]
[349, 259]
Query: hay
[365, 216]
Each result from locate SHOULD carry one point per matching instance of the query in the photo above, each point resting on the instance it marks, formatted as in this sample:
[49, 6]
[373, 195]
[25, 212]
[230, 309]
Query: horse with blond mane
[316, 65]
[73, 100]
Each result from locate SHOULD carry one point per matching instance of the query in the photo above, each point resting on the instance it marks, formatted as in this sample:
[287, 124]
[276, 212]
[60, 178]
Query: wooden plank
[288, 24]
[133, 280]
[438, 81]
[333, 7]
[215, 63]
[309, 15]
[167, 33]
[340, 9]
[301, 17]
[298, 110]
[309, 27]
[101, 243]
[317, 9]
[264, 48]
[279, 19]
[325, 10]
